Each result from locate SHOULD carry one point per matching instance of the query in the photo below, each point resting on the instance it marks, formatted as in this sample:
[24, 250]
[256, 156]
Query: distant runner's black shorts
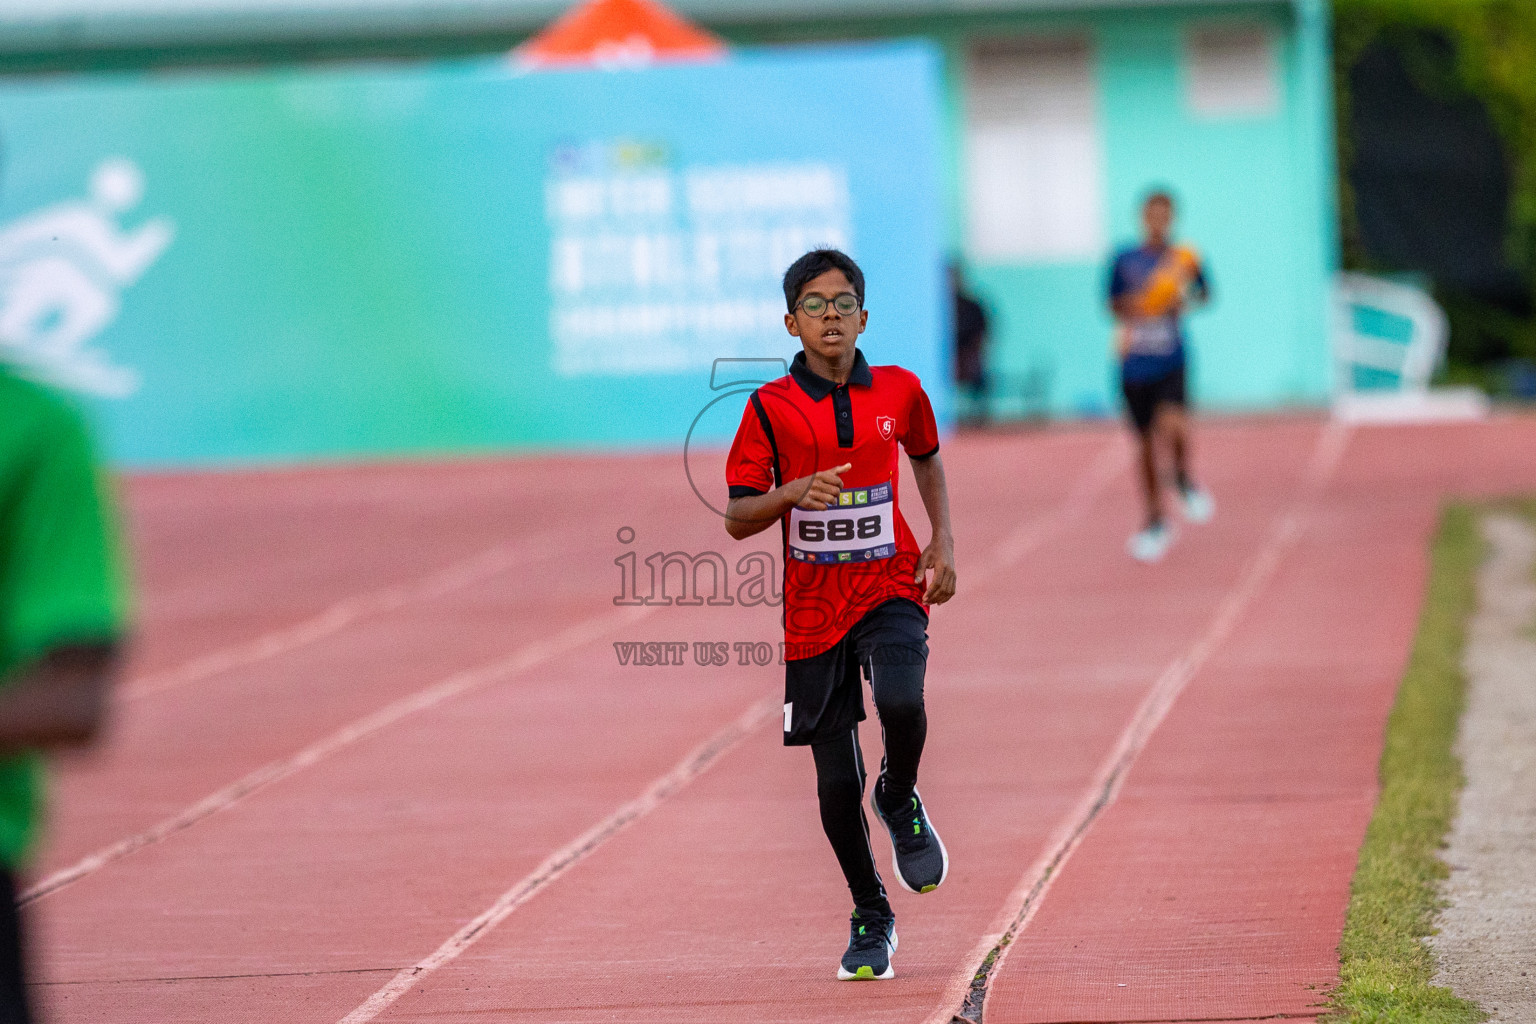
[1142, 397]
[824, 696]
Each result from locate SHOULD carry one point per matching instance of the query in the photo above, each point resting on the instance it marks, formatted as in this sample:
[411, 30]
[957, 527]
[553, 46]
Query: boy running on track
[816, 451]
[1150, 287]
[61, 612]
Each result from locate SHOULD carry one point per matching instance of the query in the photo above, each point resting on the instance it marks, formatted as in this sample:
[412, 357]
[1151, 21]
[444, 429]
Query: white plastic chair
[1388, 340]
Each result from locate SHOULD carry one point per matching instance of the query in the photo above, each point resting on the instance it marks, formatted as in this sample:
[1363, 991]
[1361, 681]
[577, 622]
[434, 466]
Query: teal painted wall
[1257, 200]
[1252, 201]
[254, 341]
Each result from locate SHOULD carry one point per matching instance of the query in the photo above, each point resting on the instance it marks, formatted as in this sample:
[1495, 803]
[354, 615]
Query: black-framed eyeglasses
[846, 304]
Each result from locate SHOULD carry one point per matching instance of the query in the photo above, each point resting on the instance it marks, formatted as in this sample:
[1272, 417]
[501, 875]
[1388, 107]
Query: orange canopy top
[618, 33]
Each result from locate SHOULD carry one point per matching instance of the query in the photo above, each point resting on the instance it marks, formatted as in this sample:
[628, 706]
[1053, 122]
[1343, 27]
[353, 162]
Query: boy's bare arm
[755, 513]
[939, 555]
[58, 700]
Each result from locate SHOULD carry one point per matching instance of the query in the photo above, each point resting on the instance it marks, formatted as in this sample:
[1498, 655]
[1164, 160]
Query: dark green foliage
[1492, 54]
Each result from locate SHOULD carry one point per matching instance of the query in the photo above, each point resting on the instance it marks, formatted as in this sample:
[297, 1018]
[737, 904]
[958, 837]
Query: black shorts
[1142, 397]
[13, 992]
[824, 696]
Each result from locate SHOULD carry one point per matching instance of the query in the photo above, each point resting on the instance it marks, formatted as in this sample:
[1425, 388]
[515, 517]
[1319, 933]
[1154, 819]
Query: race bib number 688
[861, 527]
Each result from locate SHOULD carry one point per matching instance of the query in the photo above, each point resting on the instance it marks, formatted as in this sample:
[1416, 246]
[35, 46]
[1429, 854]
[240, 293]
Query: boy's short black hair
[1159, 195]
[815, 263]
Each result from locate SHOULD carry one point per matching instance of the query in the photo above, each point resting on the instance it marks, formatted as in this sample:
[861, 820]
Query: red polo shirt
[840, 563]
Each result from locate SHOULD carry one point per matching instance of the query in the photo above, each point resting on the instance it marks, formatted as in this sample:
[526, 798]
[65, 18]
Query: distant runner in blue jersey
[1150, 287]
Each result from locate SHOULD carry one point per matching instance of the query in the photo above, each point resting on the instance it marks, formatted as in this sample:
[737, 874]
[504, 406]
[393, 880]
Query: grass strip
[1386, 967]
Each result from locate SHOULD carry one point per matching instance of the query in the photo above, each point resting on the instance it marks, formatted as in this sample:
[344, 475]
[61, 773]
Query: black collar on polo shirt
[818, 387]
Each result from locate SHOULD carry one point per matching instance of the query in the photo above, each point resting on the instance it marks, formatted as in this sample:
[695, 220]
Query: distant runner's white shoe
[1198, 505]
[1150, 544]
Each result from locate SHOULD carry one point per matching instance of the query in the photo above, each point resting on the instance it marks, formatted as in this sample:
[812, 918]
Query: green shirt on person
[60, 573]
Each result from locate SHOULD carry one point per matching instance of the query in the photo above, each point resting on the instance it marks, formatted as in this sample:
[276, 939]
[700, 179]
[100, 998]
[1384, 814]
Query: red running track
[378, 759]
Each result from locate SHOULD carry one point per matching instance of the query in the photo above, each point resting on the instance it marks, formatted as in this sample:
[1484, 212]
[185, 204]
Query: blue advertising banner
[368, 262]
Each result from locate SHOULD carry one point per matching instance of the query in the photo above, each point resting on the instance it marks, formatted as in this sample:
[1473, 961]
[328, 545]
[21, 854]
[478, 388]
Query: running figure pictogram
[62, 269]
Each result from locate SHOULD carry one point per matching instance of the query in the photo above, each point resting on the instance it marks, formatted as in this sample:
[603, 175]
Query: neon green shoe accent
[864, 972]
[928, 888]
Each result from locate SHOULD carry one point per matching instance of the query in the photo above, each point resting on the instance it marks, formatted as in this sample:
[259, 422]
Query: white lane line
[1111, 459]
[344, 613]
[964, 997]
[525, 658]
[1024, 540]
[694, 764]
[1015, 546]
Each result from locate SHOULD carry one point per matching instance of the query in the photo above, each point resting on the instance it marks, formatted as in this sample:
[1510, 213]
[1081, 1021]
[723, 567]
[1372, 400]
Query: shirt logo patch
[886, 425]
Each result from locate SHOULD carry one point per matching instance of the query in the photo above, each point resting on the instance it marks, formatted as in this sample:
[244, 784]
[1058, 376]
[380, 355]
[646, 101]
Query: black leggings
[896, 678]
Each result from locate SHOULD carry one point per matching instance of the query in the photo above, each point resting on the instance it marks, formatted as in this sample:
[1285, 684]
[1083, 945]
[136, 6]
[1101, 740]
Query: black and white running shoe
[918, 854]
[871, 942]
